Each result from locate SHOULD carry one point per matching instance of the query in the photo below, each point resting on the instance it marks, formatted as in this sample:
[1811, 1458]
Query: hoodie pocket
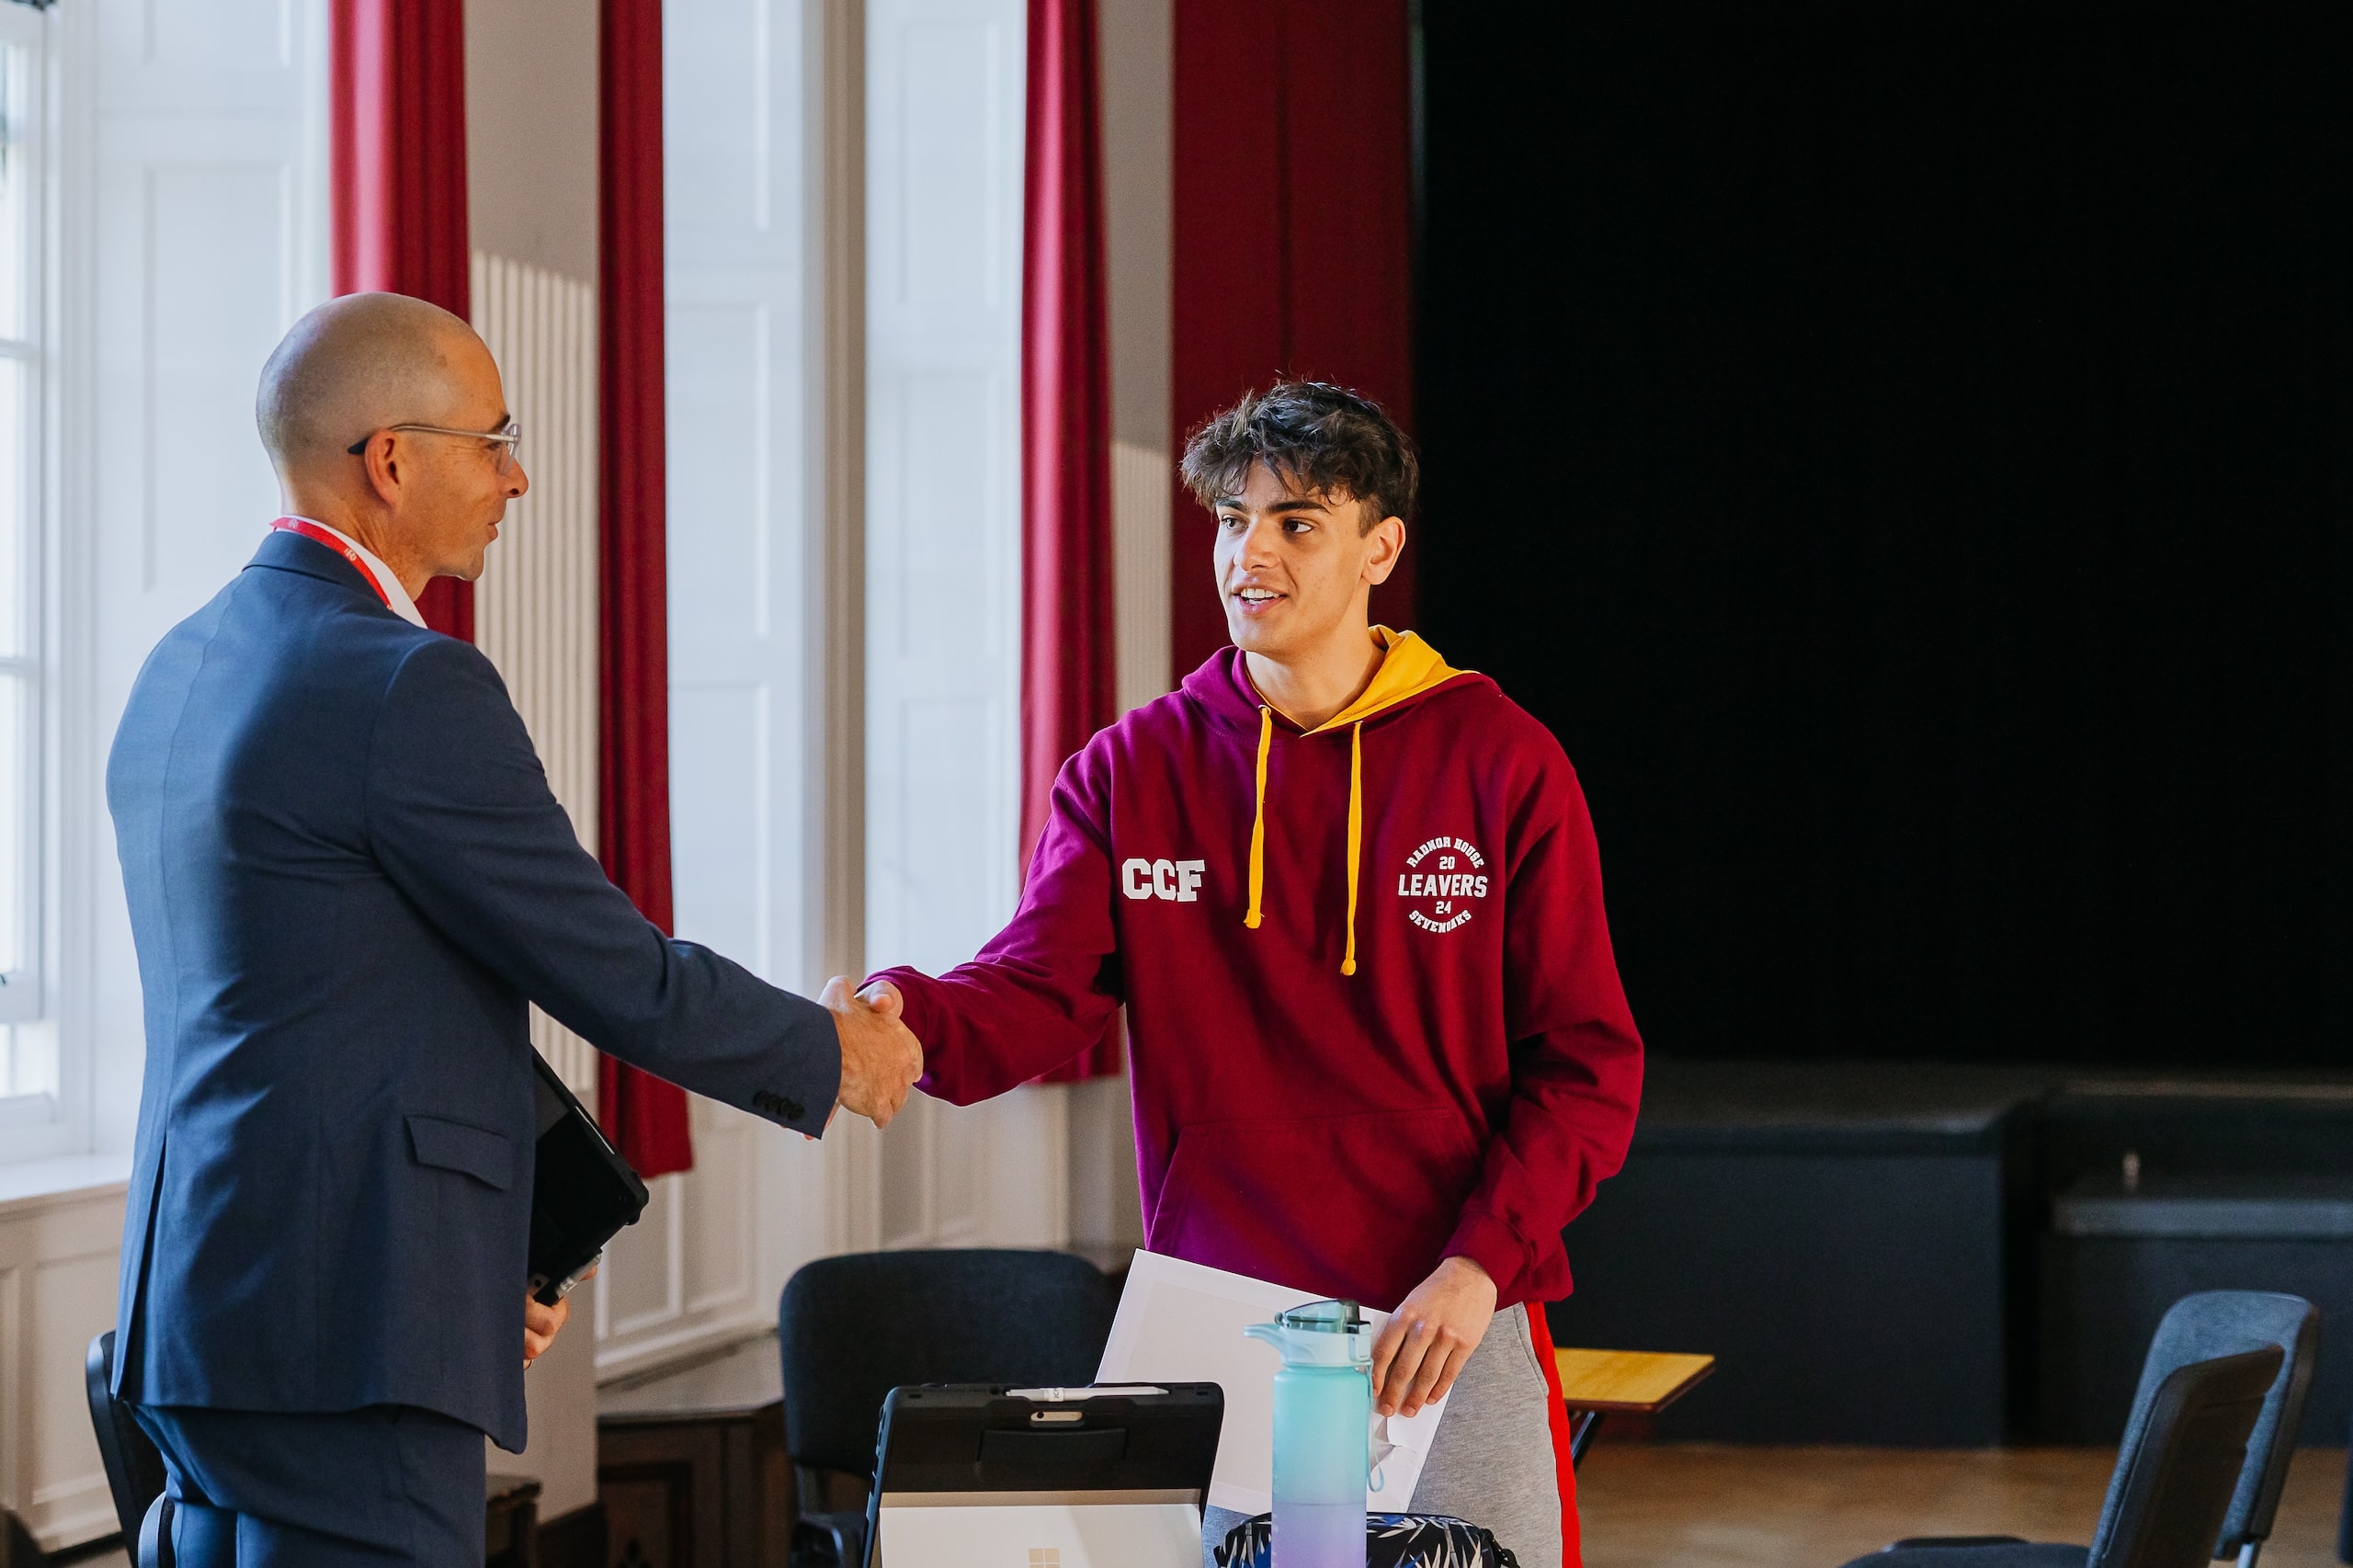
[1354, 1206]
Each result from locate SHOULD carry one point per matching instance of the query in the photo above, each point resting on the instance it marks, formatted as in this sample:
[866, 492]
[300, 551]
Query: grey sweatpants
[1491, 1462]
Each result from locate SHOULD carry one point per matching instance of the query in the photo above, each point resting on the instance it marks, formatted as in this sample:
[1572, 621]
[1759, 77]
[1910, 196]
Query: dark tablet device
[1113, 1476]
[583, 1192]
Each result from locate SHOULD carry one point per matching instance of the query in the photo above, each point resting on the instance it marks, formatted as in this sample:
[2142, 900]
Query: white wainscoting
[687, 1275]
[535, 607]
[57, 1288]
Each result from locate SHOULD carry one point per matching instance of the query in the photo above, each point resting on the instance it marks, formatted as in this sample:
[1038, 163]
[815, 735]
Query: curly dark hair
[1324, 439]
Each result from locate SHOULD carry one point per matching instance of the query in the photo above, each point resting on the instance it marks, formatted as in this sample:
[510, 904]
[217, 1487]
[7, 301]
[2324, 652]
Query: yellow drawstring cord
[1355, 833]
[1356, 829]
[1258, 822]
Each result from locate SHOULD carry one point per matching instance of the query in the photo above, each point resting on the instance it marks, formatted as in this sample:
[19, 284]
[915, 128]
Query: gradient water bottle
[1323, 1433]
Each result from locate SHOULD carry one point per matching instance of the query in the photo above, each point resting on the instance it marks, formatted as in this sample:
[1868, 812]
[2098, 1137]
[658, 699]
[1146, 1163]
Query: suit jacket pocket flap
[487, 1156]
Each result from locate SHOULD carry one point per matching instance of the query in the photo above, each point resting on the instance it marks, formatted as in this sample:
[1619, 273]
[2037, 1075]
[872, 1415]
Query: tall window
[28, 1061]
[943, 580]
[163, 222]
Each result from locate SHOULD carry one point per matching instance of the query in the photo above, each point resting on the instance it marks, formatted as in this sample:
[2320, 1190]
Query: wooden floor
[1701, 1506]
[1698, 1505]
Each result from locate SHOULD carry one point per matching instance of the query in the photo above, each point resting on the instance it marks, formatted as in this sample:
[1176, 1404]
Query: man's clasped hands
[881, 1057]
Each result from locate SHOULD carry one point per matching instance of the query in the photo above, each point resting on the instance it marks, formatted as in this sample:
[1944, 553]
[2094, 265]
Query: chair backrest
[853, 1328]
[2174, 1477]
[2225, 1323]
[134, 1466]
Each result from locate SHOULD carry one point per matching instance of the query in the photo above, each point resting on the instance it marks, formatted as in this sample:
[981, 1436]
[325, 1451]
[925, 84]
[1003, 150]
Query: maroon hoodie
[1373, 1010]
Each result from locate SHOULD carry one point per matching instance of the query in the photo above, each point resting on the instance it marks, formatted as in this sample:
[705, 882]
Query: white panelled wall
[57, 1283]
[535, 618]
[535, 607]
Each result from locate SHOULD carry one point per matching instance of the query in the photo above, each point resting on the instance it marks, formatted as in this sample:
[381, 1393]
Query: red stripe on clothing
[318, 535]
[1571, 1539]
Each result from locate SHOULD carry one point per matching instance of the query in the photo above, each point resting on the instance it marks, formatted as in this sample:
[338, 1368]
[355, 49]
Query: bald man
[346, 877]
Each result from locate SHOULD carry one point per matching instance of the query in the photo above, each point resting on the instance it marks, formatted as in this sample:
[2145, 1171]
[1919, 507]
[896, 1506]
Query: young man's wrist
[1488, 1242]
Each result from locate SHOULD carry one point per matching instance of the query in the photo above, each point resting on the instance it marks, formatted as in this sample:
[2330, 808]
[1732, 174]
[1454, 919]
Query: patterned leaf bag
[1390, 1540]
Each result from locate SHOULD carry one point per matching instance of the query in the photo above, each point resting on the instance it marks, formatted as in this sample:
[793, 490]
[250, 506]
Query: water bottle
[1323, 1427]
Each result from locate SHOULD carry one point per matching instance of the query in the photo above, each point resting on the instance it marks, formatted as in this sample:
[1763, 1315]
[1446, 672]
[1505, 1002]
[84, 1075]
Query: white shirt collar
[394, 594]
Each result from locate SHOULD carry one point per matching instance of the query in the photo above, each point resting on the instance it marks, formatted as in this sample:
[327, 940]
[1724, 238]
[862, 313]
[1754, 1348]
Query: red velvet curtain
[1292, 206]
[1067, 650]
[397, 114]
[645, 1116]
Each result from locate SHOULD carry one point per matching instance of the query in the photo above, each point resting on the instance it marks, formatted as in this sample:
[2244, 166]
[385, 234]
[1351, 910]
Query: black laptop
[970, 1475]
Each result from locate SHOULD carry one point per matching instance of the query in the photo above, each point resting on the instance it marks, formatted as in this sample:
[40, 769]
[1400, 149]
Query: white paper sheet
[1182, 1322]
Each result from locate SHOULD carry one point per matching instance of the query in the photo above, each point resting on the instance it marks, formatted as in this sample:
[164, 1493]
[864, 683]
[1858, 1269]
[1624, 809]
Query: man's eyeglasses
[509, 435]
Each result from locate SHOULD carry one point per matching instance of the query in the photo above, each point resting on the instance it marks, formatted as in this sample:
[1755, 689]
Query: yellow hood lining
[1409, 668]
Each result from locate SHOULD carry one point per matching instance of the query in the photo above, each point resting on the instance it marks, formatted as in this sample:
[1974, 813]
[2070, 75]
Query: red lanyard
[326, 536]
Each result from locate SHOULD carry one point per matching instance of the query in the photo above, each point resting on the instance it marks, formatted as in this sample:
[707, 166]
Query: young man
[1350, 898]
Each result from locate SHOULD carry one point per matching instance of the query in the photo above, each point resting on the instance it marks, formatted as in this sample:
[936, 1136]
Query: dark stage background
[1902, 452]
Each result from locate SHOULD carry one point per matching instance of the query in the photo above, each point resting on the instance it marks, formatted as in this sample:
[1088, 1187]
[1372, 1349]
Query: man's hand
[1422, 1346]
[542, 1325]
[880, 1061]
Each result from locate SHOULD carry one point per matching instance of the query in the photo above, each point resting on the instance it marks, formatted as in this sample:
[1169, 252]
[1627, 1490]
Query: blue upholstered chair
[851, 1329]
[2205, 1450]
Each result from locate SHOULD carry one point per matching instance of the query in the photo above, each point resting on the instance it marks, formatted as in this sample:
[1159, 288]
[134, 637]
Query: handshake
[881, 1058]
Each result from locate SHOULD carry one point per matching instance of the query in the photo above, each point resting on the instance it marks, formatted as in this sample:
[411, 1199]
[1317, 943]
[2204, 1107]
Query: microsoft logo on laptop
[1045, 1557]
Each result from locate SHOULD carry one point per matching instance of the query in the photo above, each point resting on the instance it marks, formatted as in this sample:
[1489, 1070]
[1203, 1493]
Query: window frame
[26, 997]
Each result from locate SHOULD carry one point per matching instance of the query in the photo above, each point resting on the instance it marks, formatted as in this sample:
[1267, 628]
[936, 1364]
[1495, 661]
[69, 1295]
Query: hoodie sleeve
[1045, 987]
[1576, 1060]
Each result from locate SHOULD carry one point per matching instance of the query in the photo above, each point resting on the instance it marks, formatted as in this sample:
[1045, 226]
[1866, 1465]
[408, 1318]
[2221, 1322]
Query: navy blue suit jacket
[347, 877]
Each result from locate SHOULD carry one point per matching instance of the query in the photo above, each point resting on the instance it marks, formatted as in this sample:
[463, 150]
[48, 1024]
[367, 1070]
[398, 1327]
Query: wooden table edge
[1698, 1375]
